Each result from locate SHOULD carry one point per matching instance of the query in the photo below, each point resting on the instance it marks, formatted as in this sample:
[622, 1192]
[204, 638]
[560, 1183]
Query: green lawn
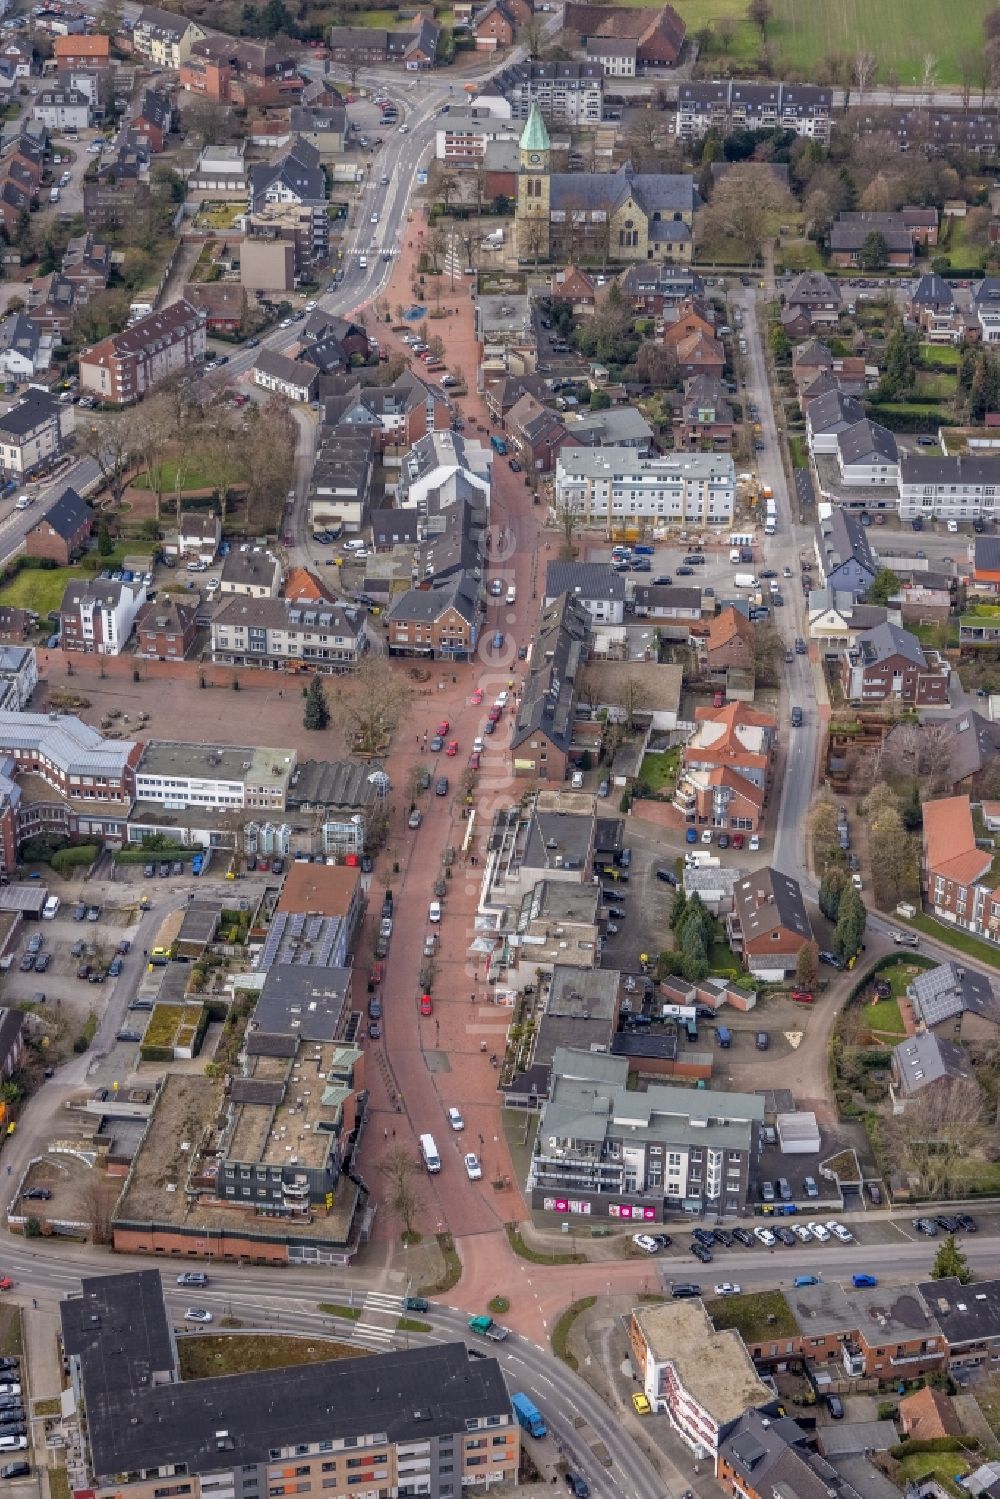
[951, 936]
[942, 1465]
[659, 770]
[755, 1315]
[884, 1018]
[802, 33]
[941, 355]
[936, 385]
[192, 477]
[38, 590]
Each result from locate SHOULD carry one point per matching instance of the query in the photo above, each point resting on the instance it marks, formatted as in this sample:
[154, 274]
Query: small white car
[706, 836]
[455, 1119]
[856, 882]
[501, 699]
[374, 218]
[434, 912]
[478, 744]
[803, 1234]
[10, 1389]
[213, 585]
[726, 1288]
[819, 1232]
[473, 1169]
[839, 1231]
[197, 1314]
[577, 780]
[646, 1243]
[765, 1236]
[753, 846]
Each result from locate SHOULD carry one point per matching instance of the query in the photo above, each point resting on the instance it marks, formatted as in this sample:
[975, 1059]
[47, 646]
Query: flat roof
[714, 1367]
[965, 1314]
[28, 897]
[319, 889]
[217, 762]
[880, 1314]
[287, 1123]
[304, 1001]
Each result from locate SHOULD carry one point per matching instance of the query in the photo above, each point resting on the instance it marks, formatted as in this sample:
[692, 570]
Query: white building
[612, 487]
[220, 169]
[33, 432]
[179, 776]
[97, 616]
[18, 674]
[867, 456]
[62, 109]
[958, 489]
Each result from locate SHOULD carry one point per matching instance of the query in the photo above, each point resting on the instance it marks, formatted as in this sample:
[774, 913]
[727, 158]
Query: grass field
[884, 1018]
[41, 591]
[191, 477]
[207, 1355]
[899, 33]
[941, 356]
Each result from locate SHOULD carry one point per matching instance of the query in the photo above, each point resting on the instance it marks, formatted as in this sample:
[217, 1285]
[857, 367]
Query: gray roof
[251, 567]
[11, 1025]
[973, 741]
[18, 332]
[932, 291]
[34, 409]
[665, 596]
[659, 192]
[965, 1314]
[961, 470]
[866, 442]
[307, 1002]
[773, 1456]
[428, 604]
[280, 367]
[952, 989]
[987, 553]
[67, 514]
[767, 899]
[887, 641]
[616, 425]
[859, 1436]
[852, 229]
[926, 1059]
[587, 580]
[298, 171]
[812, 288]
[331, 783]
[833, 412]
[842, 538]
[562, 640]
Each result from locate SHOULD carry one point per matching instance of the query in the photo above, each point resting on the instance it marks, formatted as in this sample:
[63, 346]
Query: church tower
[533, 190]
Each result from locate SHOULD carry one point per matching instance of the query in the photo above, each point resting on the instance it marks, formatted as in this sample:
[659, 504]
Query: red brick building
[956, 872]
[81, 52]
[768, 926]
[730, 641]
[63, 531]
[494, 27]
[165, 630]
[122, 368]
[230, 70]
[890, 663]
[439, 623]
[223, 304]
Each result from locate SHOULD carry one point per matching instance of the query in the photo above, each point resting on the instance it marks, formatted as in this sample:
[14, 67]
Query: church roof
[534, 136]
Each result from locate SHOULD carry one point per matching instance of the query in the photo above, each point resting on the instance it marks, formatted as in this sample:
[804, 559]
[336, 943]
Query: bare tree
[94, 1200]
[110, 442]
[894, 867]
[372, 701]
[568, 520]
[822, 826]
[864, 72]
[533, 35]
[939, 1127]
[768, 654]
[153, 431]
[928, 80]
[399, 1168]
[741, 205]
[759, 12]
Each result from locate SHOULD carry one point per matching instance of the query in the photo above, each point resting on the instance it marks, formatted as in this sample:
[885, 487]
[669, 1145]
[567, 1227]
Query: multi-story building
[769, 925]
[340, 486]
[18, 675]
[846, 561]
[252, 572]
[725, 768]
[600, 1155]
[232, 70]
[441, 622]
[216, 776]
[969, 1320]
[163, 37]
[867, 455]
[414, 44]
[464, 134]
[595, 585]
[62, 109]
[567, 93]
[97, 616]
[81, 51]
[151, 121]
[542, 735]
[25, 348]
[654, 288]
[69, 756]
[958, 876]
[626, 40]
[397, 415]
[63, 531]
[32, 433]
[889, 663]
[963, 488]
[279, 635]
[291, 378]
[881, 1333]
[617, 487]
[165, 629]
[763, 1456]
[703, 1380]
[124, 367]
[358, 1425]
[734, 104]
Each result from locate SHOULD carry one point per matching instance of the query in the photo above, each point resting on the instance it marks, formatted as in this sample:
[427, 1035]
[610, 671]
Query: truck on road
[529, 1416]
[485, 1327]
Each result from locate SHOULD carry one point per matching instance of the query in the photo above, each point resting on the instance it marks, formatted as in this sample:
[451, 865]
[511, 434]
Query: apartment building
[957, 875]
[846, 561]
[217, 776]
[32, 433]
[279, 635]
[69, 756]
[542, 734]
[963, 488]
[703, 1380]
[886, 1333]
[123, 367]
[356, 1425]
[725, 768]
[227, 69]
[25, 349]
[769, 925]
[595, 585]
[605, 1151]
[163, 37]
[440, 622]
[463, 135]
[18, 675]
[733, 104]
[62, 109]
[616, 487]
[81, 51]
[97, 616]
[764, 1456]
[252, 572]
[165, 629]
[887, 663]
[969, 1318]
[397, 415]
[567, 93]
[341, 482]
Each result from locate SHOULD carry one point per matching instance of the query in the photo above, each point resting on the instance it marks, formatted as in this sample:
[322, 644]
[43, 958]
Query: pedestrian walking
[386, 1133]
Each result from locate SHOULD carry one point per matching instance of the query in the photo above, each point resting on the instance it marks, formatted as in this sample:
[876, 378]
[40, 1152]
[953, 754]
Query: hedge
[915, 1445]
[72, 858]
[153, 853]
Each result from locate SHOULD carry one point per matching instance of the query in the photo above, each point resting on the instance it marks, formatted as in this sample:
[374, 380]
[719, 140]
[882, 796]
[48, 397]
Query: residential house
[664, 602]
[542, 733]
[341, 482]
[986, 563]
[152, 120]
[617, 487]
[970, 1324]
[843, 555]
[252, 572]
[816, 298]
[398, 415]
[955, 999]
[538, 433]
[441, 622]
[25, 349]
[921, 1062]
[730, 642]
[706, 418]
[867, 455]
[959, 489]
[163, 37]
[836, 619]
[600, 1160]
[655, 288]
[986, 306]
[15, 205]
[286, 377]
[32, 433]
[595, 585]
[616, 427]
[692, 315]
[702, 1379]
[53, 302]
[414, 46]
[87, 263]
[765, 1456]
[118, 192]
[925, 598]
[323, 126]
[165, 629]
[231, 70]
[567, 93]
[879, 1333]
[933, 308]
[82, 51]
[19, 54]
[199, 535]
[304, 587]
[494, 27]
[625, 40]
[972, 748]
[725, 768]
[221, 303]
[63, 531]
[735, 104]
[124, 367]
[928, 1415]
[698, 354]
[323, 326]
[504, 392]
[62, 109]
[889, 663]
[958, 876]
[769, 925]
[851, 231]
[97, 616]
[277, 634]
[295, 177]
[220, 169]
[575, 287]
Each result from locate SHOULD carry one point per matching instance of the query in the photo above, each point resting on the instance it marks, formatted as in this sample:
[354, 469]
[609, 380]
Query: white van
[734, 554]
[434, 914]
[429, 1151]
[23, 501]
[512, 594]
[50, 908]
[363, 262]
[355, 546]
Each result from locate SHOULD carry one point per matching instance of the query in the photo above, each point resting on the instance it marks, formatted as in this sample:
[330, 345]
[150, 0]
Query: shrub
[65, 859]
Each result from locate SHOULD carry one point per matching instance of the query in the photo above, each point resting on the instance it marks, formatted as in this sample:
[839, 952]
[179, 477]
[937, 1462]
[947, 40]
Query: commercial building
[703, 1380]
[616, 487]
[123, 367]
[280, 635]
[734, 104]
[251, 572]
[214, 776]
[165, 630]
[97, 616]
[960, 489]
[69, 756]
[606, 1151]
[427, 1420]
[441, 623]
[886, 1333]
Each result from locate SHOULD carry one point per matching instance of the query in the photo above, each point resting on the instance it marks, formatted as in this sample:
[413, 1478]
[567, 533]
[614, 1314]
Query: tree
[110, 442]
[807, 966]
[831, 889]
[894, 870]
[937, 1129]
[874, 252]
[435, 347]
[759, 13]
[822, 825]
[373, 700]
[105, 545]
[399, 1169]
[900, 369]
[109, 18]
[444, 186]
[742, 204]
[678, 909]
[568, 521]
[317, 711]
[533, 35]
[851, 920]
[885, 586]
[656, 365]
[94, 1200]
[768, 654]
[864, 72]
[881, 798]
[599, 400]
[950, 1262]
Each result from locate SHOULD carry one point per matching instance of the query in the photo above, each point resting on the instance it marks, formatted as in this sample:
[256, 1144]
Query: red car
[452, 747]
[6, 1283]
[738, 840]
[377, 974]
[802, 996]
[425, 1004]
[718, 699]
[443, 727]
[477, 697]
[474, 760]
[495, 714]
